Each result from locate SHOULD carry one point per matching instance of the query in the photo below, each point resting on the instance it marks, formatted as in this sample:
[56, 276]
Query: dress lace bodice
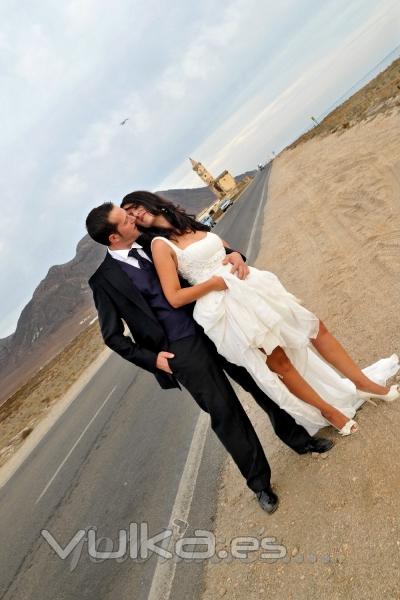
[201, 259]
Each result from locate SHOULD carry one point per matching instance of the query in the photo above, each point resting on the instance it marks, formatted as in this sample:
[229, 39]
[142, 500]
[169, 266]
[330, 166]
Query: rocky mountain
[62, 304]
[58, 305]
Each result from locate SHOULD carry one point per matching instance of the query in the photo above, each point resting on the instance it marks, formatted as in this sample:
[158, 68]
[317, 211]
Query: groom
[170, 344]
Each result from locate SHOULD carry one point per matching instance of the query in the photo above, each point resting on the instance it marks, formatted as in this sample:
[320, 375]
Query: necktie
[144, 264]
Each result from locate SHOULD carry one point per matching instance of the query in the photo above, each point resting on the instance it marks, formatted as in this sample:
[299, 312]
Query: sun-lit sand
[332, 234]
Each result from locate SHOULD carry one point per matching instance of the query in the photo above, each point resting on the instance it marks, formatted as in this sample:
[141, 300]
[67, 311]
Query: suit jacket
[118, 300]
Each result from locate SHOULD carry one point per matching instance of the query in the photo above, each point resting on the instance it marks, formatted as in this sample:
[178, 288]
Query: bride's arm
[163, 258]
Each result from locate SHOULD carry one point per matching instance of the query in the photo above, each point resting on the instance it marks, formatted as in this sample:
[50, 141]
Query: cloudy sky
[224, 82]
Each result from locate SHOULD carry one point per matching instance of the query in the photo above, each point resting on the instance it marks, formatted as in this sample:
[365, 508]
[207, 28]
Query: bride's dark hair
[178, 218]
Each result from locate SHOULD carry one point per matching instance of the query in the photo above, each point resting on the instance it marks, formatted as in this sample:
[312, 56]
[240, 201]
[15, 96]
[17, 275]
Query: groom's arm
[237, 260]
[112, 330]
[230, 251]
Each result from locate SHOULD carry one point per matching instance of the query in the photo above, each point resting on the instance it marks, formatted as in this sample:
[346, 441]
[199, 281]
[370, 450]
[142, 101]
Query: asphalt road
[114, 458]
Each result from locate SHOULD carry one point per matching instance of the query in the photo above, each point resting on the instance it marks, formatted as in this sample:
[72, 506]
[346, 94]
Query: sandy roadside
[331, 233]
[46, 393]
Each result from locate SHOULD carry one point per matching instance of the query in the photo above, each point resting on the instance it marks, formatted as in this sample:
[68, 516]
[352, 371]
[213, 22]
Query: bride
[258, 324]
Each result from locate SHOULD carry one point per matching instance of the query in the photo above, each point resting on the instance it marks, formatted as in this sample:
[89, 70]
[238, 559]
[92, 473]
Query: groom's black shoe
[317, 444]
[268, 500]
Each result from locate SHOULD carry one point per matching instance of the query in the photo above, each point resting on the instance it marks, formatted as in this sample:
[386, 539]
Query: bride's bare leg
[278, 362]
[329, 347]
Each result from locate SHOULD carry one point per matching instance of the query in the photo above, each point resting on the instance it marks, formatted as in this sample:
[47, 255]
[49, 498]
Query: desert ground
[20, 414]
[331, 233]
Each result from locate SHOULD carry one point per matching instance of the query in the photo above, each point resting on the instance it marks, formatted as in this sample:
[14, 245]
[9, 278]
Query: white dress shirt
[122, 255]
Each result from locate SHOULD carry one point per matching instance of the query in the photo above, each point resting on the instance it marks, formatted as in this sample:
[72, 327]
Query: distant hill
[192, 200]
[62, 304]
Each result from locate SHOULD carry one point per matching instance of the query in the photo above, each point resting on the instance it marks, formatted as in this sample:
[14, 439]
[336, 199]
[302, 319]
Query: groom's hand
[162, 361]
[238, 265]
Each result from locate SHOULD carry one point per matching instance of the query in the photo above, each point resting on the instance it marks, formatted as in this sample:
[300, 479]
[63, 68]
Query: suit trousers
[285, 427]
[197, 367]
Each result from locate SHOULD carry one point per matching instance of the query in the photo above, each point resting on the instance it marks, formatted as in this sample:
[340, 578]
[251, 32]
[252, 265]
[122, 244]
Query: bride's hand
[218, 283]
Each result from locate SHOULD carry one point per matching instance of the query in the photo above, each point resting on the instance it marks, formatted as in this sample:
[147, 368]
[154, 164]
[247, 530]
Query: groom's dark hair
[98, 225]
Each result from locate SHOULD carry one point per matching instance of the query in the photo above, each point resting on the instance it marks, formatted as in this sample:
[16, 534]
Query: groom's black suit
[196, 365]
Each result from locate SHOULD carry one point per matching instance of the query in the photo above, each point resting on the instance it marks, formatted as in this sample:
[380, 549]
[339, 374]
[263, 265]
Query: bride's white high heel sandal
[347, 429]
[392, 394]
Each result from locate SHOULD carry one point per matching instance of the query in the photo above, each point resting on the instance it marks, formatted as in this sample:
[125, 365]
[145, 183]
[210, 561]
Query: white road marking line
[164, 572]
[76, 443]
[260, 206]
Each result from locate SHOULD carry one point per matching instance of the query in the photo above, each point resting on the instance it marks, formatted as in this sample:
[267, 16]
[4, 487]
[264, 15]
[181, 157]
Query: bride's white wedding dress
[258, 312]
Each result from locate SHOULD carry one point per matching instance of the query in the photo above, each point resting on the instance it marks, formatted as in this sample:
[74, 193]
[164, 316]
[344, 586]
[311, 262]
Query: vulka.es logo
[135, 543]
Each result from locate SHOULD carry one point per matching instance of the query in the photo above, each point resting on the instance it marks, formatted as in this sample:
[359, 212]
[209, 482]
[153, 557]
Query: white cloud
[80, 13]
[72, 185]
[171, 84]
[38, 61]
